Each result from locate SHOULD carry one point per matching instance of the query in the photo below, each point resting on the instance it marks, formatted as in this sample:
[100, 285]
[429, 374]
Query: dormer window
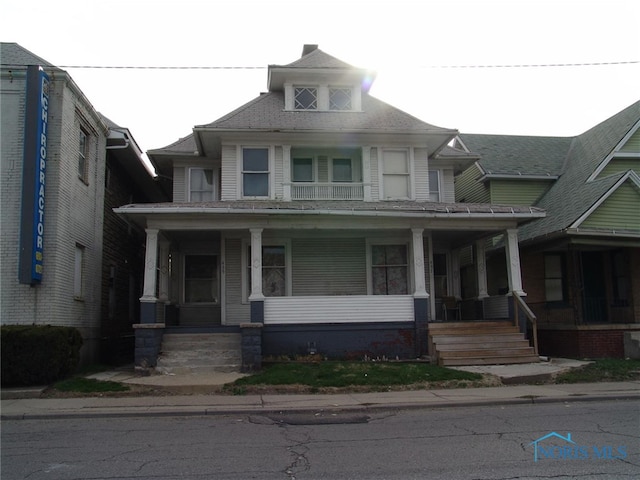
[340, 98]
[305, 98]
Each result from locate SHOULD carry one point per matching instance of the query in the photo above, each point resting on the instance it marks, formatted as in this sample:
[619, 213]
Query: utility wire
[228, 67]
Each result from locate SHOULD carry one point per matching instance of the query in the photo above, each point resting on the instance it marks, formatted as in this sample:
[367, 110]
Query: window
[305, 98]
[341, 170]
[434, 185]
[83, 153]
[255, 172]
[554, 287]
[339, 98]
[440, 275]
[201, 185]
[302, 170]
[396, 174]
[78, 279]
[621, 281]
[200, 279]
[274, 269]
[389, 269]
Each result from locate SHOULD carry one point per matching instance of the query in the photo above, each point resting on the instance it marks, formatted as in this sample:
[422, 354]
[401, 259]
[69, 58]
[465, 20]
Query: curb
[199, 412]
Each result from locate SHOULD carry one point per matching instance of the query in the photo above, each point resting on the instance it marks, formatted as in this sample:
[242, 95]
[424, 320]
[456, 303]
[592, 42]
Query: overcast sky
[412, 45]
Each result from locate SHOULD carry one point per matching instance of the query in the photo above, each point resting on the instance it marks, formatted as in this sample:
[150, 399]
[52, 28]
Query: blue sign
[34, 175]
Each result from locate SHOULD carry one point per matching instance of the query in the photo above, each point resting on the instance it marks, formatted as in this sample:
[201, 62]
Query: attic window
[305, 98]
[339, 98]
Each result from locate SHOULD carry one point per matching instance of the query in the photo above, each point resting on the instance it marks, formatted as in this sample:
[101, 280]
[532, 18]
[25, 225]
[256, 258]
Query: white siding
[236, 311]
[278, 167]
[421, 175]
[347, 309]
[448, 194]
[179, 185]
[229, 172]
[329, 266]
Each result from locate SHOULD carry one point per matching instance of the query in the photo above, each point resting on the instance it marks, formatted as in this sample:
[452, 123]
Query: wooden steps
[479, 343]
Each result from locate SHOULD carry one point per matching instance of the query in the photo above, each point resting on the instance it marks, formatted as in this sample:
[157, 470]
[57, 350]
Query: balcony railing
[327, 191]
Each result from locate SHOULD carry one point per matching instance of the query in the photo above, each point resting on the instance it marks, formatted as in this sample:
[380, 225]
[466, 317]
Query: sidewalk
[515, 377]
[100, 407]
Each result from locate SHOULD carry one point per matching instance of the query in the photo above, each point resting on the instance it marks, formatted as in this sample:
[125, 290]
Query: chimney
[307, 49]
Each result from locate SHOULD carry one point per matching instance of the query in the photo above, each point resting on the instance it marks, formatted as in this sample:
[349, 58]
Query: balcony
[327, 191]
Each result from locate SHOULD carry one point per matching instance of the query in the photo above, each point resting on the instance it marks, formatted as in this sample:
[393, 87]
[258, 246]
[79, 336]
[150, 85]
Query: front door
[594, 300]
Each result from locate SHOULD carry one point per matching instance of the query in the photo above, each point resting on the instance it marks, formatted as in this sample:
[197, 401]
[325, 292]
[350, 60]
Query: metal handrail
[519, 302]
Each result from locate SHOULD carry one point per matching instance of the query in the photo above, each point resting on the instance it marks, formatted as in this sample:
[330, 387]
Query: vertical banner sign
[36, 130]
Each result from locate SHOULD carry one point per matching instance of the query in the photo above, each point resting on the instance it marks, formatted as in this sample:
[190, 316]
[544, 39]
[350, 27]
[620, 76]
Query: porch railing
[327, 191]
[520, 304]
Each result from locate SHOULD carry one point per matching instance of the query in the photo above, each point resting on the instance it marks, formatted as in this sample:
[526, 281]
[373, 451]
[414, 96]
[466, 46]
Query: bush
[38, 355]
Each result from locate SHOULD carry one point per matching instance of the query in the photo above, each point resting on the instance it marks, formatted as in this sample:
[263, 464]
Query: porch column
[256, 298]
[417, 244]
[481, 269]
[286, 172]
[420, 295]
[513, 261]
[366, 172]
[148, 300]
[163, 260]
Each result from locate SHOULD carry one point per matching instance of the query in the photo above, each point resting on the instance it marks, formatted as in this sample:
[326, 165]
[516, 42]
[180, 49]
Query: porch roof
[352, 208]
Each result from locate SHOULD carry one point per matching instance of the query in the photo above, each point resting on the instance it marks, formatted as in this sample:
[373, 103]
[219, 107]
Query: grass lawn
[603, 370]
[348, 374]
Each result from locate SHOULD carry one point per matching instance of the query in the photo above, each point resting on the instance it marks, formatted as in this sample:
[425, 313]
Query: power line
[229, 67]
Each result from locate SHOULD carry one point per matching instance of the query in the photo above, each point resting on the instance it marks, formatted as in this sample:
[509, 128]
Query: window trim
[348, 88]
[83, 155]
[316, 93]
[78, 272]
[245, 277]
[371, 242]
[563, 278]
[439, 181]
[269, 172]
[314, 169]
[214, 186]
[184, 277]
[408, 174]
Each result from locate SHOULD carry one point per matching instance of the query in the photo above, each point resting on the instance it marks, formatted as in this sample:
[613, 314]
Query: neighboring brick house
[581, 263]
[54, 162]
[319, 213]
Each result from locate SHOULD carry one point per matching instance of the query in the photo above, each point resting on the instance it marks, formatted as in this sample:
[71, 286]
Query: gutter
[353, 213]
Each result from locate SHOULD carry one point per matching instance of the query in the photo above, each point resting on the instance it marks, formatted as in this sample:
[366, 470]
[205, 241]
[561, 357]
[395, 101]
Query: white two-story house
[322, 214]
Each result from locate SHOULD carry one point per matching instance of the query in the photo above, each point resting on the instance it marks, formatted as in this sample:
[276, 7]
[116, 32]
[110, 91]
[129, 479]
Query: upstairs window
[305, 98]
[255, 172]
[201, 185]
[339, 98]
[302, 170]
[434, 185]
[341, 170]
[83, 155]
[395, 174]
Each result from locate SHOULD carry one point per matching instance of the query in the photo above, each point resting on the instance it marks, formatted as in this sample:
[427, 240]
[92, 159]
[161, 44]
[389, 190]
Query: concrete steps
[185, 353]
[479, 343]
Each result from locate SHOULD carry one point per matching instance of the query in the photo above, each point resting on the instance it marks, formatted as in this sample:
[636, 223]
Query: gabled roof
[12, 54]
[267, 113]
[518, 155]
[574, 159]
